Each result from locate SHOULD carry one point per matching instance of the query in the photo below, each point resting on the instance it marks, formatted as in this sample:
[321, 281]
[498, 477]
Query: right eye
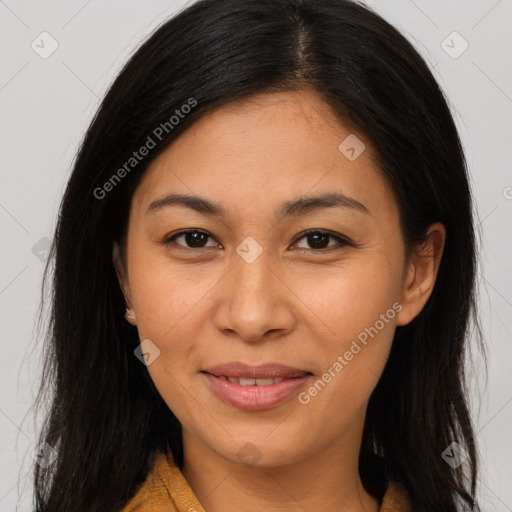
[192, 238]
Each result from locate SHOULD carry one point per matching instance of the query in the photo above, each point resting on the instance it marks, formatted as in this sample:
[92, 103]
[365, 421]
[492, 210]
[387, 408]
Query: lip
[265, 371]
[255, 398]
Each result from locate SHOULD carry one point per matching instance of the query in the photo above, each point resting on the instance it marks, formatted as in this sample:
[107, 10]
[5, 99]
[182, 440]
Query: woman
[264, 275]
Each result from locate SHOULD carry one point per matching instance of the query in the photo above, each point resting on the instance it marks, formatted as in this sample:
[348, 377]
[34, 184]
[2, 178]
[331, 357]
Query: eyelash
[342, 242]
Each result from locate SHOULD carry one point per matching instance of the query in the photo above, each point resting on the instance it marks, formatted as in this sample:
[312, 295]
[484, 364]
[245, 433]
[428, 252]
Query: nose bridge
[252, 293]
[253, 303]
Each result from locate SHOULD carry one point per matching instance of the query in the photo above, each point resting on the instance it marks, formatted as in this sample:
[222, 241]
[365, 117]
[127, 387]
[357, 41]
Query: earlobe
[422, 273]
[130, 316]
[123, 283]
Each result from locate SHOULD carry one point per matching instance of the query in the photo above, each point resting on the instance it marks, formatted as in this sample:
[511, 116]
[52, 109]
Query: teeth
[264, 382]
[252, 382]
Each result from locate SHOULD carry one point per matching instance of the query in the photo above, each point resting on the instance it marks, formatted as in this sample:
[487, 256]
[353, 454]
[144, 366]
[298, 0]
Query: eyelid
[168, 239]
[343, 241]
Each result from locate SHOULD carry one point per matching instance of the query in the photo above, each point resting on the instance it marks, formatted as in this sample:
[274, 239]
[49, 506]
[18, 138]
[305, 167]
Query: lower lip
[255, 398]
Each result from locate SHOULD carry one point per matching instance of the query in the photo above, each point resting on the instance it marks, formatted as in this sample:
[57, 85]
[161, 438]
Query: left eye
[318, 240]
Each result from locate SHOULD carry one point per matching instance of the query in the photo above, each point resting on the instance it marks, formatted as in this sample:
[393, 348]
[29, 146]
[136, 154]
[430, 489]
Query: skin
[292, 305]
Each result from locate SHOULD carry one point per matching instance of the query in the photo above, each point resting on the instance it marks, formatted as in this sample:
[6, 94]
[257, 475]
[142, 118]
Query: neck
[322, 480]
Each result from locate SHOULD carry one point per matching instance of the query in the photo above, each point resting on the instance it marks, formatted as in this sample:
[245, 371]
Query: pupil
[192, 238]
[315, 237]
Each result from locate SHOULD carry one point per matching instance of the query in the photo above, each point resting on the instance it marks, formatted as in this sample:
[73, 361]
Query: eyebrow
[295, 207]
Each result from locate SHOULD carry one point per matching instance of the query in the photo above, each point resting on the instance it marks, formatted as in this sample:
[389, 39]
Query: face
[262, 279]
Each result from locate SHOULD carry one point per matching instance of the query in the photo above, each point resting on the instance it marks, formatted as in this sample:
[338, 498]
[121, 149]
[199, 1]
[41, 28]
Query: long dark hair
[107, 421]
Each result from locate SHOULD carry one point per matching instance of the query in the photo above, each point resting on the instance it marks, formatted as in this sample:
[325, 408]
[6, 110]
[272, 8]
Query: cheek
[166, 297]
[166, 304]
[357, 311]
[351, 297]
[353, 361]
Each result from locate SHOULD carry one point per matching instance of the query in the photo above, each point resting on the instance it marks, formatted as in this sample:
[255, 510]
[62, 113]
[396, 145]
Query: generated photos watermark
[342, 360]
[138, 156]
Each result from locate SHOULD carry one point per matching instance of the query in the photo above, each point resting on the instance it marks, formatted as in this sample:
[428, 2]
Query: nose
[255, 303]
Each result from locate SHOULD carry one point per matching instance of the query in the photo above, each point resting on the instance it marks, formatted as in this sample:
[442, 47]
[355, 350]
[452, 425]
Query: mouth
[238, 370]
[254, 388]
[245, 381]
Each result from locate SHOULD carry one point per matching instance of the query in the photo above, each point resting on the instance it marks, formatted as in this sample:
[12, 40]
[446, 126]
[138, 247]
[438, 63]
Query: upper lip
[265, 371]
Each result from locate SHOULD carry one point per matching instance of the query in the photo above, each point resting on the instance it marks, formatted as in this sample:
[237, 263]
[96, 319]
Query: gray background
[46, 105]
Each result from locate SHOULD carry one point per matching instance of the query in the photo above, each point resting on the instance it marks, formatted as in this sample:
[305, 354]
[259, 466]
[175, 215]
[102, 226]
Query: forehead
[258, 151]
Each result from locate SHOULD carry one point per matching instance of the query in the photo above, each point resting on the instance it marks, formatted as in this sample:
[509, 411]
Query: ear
[421, 273]
[121, 274]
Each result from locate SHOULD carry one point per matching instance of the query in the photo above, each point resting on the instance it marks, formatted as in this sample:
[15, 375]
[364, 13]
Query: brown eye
[191, 239]
[319, 240]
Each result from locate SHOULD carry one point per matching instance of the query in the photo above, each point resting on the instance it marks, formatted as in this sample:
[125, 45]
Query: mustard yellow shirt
[166, 490]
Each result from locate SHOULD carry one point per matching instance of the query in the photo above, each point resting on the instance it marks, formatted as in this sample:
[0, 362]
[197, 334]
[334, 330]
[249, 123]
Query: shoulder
[164, 490]
[396, 498]
[153, 494]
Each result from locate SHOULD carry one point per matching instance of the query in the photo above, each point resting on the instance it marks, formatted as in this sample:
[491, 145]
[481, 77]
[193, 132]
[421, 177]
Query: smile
[251, 382]
[255, 388]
